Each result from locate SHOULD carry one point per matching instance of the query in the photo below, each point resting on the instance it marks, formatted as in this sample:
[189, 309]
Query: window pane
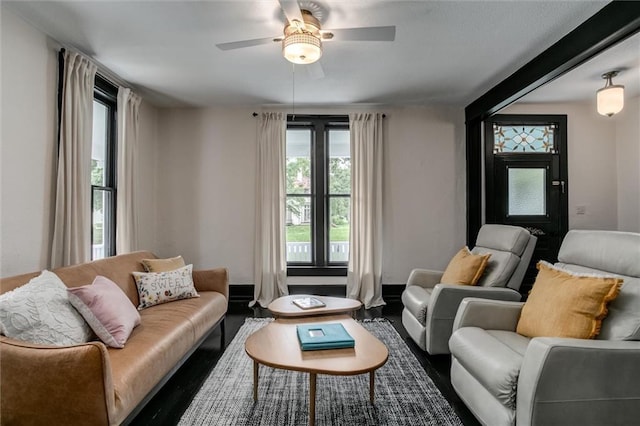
[339, 162]
[339, 229]
[298, 229]
[100, 223]
[524, 138]
[99, 144]
[527, 192]
[299, 161]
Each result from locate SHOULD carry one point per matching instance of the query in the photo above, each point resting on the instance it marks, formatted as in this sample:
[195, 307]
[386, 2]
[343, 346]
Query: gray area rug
[405, 395]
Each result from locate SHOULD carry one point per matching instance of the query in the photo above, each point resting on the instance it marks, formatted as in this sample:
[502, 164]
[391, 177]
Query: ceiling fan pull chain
[293, 90]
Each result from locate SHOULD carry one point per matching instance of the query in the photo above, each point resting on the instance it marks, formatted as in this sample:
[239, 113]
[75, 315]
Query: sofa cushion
[416, 300]
[565, 304]
[107, 310]
[493, 358]
[465, 268]
[40, 312]
[166, 332]
[499, 268]
[513, 239]
[155, 288]
[606, 251]
[117, 268]
[623, 320]
[163, 265]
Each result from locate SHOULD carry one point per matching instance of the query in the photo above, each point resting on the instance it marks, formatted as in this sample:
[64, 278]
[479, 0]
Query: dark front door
[526, 180]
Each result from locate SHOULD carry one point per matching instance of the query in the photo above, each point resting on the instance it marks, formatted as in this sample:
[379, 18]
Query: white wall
[206, 184]
[627, 124]
[146, 177]
[206, 188]
[28, 87]
[592, 162]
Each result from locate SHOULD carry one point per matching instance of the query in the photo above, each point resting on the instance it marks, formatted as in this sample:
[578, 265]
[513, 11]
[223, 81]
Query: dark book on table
[308, 302]
[314, 337]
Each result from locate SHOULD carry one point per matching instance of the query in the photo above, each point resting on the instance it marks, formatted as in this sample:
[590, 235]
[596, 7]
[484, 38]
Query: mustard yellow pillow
[566, 304]
[465, 268]
[163, 265]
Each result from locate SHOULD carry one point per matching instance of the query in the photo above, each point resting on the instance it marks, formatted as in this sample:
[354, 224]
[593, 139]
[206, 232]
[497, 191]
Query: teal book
[315, 337]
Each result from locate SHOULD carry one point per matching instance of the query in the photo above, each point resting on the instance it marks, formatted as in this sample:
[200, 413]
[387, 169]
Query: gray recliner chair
[430, 306]
[506, 378]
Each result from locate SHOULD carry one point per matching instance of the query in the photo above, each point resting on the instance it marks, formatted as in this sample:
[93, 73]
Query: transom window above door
[519, 139]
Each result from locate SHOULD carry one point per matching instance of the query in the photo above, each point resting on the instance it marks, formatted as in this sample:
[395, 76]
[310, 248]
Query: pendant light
[611, 97]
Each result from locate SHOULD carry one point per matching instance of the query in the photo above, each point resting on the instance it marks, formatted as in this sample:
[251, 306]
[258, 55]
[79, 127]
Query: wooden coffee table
[284, 306]
[276, 345]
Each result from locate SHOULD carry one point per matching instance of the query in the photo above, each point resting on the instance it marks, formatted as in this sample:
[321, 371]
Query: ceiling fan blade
[245, 43]
[291, 10]
[362, 34]
[315, 70]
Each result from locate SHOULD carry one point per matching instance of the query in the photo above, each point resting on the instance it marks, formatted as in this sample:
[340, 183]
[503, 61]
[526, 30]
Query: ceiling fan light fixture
[302, 48]
[610, 98]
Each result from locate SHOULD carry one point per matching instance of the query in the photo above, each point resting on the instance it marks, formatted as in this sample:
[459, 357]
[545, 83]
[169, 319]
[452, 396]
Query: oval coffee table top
[276, 345]
[284, 306]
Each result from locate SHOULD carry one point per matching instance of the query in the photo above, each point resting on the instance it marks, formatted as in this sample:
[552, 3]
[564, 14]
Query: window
[103, 170]
[318, 195]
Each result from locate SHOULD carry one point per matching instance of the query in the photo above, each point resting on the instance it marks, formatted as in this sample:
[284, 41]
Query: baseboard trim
[244, 292]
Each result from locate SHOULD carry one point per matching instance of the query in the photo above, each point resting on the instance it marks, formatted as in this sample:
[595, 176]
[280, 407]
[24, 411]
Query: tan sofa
[91, 383]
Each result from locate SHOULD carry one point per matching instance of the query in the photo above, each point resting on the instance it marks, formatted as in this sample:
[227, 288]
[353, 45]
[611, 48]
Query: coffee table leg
[312, 399]
[255, 380]
[372, 375]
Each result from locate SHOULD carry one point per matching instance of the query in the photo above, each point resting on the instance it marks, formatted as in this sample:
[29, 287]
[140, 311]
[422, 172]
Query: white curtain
[72, 219]
[270, 258]
[126, 213]
[364, 277]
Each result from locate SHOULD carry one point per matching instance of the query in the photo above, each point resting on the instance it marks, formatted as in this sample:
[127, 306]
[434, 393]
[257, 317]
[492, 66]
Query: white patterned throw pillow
[40, 312]
[162, 287]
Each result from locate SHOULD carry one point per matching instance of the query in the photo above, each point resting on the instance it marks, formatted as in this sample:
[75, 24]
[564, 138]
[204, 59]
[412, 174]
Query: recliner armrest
[426, 278]
[487, 314]
[443, 305]
[578, 381]
[446, 298]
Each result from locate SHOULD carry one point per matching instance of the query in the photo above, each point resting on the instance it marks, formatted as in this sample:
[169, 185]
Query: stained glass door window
[533, 139]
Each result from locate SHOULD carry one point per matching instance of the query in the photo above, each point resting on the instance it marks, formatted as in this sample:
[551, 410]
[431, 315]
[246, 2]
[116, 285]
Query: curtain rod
[102, 71]
[255, 114]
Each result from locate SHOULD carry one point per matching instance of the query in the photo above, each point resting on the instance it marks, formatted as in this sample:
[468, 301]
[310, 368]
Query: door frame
[560, 120]
[614, 23]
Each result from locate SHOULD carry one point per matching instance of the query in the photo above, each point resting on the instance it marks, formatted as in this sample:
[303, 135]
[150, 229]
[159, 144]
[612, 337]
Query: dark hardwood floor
[172, 400]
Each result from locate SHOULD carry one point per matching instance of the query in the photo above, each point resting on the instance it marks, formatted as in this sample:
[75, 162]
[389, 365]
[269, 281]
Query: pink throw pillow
[107, 310]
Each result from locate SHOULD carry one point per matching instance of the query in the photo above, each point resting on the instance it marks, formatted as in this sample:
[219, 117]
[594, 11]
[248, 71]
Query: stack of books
[315, 337]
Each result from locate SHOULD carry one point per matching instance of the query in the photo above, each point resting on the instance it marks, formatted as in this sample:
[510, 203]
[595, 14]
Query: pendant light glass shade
[610, 98]
[302, 48]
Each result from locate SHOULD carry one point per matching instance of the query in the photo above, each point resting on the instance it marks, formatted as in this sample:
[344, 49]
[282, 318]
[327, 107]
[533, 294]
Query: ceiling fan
[303, 36]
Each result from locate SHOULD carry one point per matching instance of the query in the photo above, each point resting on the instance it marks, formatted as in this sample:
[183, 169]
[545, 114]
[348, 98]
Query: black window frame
[106, 93]
[319, 125]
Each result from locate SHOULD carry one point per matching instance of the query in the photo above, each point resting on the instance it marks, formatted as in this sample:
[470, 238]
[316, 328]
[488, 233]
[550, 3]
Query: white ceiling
[445, 52]
[582, 83]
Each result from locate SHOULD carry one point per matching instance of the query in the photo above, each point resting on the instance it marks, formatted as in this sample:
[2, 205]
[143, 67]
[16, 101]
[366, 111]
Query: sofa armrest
[212, 280]
[487, 314]
[443, 305]
[426, 278]
[55, 385]
[577, 381]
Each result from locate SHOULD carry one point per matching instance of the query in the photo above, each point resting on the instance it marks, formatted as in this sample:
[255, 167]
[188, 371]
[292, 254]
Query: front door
[526, 180]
